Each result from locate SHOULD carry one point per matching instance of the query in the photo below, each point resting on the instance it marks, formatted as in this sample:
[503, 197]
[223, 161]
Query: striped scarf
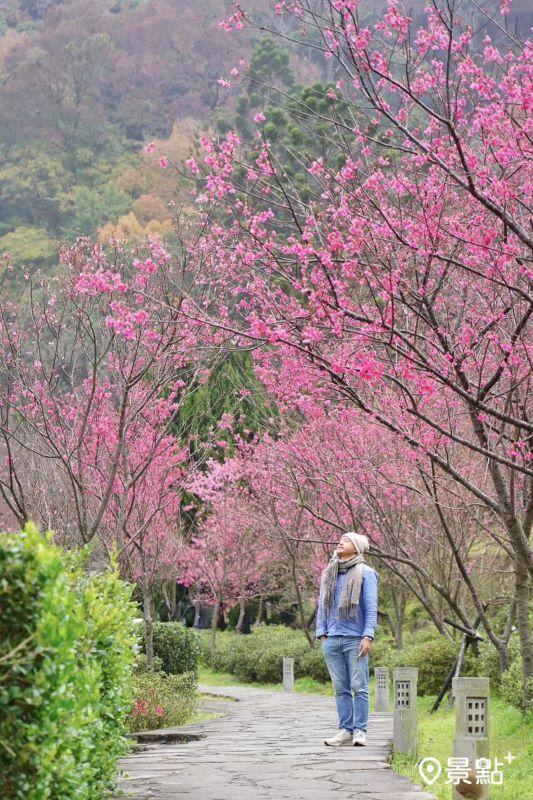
[351, 591]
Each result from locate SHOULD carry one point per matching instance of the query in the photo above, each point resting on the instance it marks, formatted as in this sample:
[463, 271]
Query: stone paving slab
[268, 745]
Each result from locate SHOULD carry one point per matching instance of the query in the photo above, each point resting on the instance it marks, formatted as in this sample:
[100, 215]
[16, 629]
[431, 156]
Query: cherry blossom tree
[344, 471]
[93, 374]
[142, 519]
[402, 287]
[230, 554]
[86, 358]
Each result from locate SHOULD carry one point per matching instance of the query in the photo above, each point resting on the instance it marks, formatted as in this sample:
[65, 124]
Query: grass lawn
[204, 716]
[200, 716]
[510, 732]
[303, 685]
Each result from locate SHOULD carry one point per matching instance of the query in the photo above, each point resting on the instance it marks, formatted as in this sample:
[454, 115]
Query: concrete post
[405, 723]
[288, 674]
[471, 736]
[381, 680]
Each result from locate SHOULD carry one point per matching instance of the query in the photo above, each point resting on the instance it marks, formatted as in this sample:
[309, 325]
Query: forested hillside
[85, 86]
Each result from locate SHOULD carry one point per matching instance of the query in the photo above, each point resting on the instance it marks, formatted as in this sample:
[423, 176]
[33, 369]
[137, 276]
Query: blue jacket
[365, 620]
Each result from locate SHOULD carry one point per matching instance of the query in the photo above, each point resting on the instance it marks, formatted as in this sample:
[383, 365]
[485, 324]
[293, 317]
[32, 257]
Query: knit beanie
[359, 541]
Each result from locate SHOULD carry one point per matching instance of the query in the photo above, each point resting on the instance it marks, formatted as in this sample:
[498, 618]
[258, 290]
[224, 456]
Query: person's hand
[365, 647]
[323, 637]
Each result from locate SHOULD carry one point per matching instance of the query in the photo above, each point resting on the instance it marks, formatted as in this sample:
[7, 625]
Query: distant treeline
[84, 85]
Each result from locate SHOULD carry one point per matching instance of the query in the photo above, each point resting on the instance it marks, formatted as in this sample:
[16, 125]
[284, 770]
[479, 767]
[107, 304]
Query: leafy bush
[259, 656]
[383, 651]
[140, 664]
[509, 683]
[490, 662]
[67, 646]
[313, 664]
[511, 686]
[434, 659]
[163, 700]
[228, 647]
[421, 634]
[178, 647]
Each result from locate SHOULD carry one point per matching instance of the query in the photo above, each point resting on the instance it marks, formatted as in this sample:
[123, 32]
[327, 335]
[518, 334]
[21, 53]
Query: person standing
[345, 624]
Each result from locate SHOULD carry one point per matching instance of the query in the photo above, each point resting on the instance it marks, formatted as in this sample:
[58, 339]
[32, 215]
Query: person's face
[345, 548]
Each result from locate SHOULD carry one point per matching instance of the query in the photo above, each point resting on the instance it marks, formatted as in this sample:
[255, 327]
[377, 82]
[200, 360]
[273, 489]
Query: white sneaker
[359, 738]
[342, 737]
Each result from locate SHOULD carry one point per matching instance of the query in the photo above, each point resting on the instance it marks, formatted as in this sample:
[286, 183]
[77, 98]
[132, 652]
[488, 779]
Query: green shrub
[433, 655]
[421, 635]
[383, 650]
[178, 647]
[434, 659]
[163, 700]
[490, 661]
[110, 648]
[233, 617]
[67, 647]
[511, 687]
[259, 656]
[141, 667]
[509, 683]
[229, 651]
[313, 664]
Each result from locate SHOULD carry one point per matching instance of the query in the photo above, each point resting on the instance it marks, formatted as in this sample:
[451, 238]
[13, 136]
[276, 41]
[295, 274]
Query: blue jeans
[349, 675]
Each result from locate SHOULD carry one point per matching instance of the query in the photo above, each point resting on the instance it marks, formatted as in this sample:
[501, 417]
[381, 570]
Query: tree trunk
[458, 668]
[169, 595]
[197, 611]
[259, 611]
[399, 600]
[312, 617]
[523, 586]
[310, 639]
[503, 656]
[385, 616]
[503, 649]
[148, 627]
[214, 624]
[242, 610]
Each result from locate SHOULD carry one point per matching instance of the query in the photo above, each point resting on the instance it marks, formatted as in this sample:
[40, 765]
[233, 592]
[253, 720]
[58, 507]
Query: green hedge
[178, 647]
[67, 648]
[433, 657]
[490, 662]
[163, 700]
[509, 683]
[258, 656]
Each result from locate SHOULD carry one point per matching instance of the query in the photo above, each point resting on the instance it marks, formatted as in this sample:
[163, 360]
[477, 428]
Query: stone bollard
[288, 674]
[471, 736]
[405, 722]
[381, 679]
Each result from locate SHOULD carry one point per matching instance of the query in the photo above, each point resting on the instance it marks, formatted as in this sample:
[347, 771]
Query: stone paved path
[268, 745]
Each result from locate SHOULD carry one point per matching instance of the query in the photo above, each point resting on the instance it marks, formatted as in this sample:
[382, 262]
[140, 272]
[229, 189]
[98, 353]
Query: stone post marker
[471, 735]
[381, 679]
[405, 723]
[288, 674]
